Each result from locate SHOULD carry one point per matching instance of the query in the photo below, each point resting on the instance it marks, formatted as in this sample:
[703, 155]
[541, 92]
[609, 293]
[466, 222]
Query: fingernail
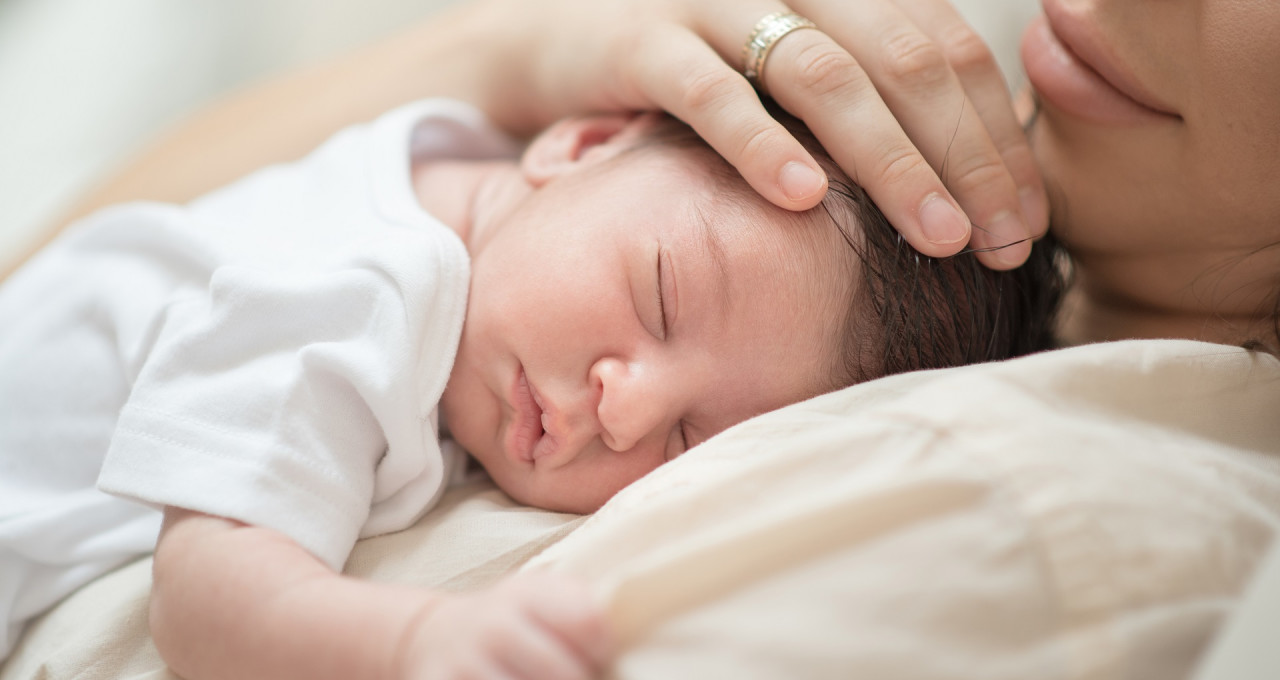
[943, 223]
[1024, 104]
[1035, 210]
[1014, 255]
[799, 181]
[1009, 232]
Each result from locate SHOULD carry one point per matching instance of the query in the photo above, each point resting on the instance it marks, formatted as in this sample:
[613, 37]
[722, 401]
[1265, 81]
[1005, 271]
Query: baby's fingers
[531, 651]
[567, 610]
[678, 71]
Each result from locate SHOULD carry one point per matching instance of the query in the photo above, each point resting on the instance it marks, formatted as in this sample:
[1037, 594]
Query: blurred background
[84, 84]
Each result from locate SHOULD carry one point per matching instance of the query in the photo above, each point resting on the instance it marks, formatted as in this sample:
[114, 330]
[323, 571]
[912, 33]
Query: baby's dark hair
[912, 312]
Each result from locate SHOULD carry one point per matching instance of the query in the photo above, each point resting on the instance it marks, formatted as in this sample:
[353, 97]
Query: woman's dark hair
[912, 312]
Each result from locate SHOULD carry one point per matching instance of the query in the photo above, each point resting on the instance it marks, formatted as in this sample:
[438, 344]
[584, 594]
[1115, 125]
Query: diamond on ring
[768, 31]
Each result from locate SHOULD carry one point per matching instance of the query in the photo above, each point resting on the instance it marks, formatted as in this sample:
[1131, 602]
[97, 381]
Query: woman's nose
[631, 405]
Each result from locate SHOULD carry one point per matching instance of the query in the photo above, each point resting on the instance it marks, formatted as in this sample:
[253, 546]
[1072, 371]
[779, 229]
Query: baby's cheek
[466, 415]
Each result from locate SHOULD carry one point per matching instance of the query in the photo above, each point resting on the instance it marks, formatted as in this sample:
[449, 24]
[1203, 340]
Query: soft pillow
[1085, 513]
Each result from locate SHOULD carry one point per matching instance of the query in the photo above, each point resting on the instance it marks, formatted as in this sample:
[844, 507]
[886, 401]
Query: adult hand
[902, 93]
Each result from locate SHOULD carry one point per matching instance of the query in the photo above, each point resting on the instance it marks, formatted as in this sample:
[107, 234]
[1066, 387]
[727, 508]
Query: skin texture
[1172, 221]
[566, 255]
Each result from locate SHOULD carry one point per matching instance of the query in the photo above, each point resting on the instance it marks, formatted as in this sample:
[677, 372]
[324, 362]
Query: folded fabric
[1086, 513]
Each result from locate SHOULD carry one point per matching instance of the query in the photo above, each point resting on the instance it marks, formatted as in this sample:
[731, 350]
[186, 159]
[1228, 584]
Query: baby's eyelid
[669, 454]
[662, 303]
[668, 295]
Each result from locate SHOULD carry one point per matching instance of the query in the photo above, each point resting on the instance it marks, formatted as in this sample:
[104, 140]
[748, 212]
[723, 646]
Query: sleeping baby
[309, 356]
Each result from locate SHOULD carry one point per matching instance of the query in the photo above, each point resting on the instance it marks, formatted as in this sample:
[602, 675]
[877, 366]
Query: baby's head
[631, 296]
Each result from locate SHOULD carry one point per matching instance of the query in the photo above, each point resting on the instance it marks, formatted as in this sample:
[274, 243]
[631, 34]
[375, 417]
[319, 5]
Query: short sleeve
[276, 395]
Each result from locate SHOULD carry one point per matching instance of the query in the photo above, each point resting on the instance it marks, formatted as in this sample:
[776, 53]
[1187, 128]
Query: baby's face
[619, 316]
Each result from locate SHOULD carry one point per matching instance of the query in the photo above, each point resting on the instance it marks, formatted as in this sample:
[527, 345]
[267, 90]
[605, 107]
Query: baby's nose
[630, 406]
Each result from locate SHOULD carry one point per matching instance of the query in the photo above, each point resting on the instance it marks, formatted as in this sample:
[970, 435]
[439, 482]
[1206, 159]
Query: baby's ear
[577, 142]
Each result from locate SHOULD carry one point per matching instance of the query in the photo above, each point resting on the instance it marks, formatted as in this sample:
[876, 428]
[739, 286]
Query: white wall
[84, 83]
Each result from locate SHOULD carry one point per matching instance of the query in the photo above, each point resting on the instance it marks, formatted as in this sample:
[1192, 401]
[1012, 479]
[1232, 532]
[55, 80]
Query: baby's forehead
[786, 286]
[793, 268]
[748, 238]
[756, 235]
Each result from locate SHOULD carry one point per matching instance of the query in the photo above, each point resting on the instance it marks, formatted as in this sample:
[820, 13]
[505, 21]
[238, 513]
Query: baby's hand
[529, 626]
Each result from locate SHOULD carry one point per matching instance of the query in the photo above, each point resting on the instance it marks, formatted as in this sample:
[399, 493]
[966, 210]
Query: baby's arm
[237, 601]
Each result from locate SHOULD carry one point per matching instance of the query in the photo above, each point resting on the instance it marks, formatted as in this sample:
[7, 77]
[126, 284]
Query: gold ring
[768, 31]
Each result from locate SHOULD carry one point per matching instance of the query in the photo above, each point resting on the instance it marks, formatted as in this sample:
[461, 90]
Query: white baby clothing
[273, 352]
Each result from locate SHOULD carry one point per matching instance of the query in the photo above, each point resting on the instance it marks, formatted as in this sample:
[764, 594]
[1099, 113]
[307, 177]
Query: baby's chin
[523, 488]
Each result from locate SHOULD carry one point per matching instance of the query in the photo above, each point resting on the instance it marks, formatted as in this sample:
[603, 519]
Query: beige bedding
[1085, 513]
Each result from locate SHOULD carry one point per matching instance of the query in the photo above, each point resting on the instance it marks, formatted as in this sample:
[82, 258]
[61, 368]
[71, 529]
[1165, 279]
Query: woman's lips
[525, 429]
[1054, 51]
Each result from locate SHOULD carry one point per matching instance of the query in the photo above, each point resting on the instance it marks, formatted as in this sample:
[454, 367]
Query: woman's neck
[1215, 296]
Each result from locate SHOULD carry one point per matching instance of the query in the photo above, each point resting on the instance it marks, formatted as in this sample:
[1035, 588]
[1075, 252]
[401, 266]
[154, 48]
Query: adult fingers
[913, 78]
[903, 166]
[814, 77]
[692, 82]
[819, 81]
[980, 75]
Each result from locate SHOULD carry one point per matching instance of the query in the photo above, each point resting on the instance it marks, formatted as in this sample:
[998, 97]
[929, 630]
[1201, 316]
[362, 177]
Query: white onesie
[273, 353]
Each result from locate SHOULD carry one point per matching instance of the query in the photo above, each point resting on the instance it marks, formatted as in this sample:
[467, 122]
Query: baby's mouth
[526, 428]
[548, 441]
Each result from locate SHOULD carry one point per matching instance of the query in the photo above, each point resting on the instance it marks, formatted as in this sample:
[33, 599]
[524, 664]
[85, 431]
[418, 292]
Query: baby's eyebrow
[715, 248]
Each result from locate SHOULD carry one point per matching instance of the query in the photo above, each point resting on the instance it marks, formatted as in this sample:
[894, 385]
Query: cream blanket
[1085, 513]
